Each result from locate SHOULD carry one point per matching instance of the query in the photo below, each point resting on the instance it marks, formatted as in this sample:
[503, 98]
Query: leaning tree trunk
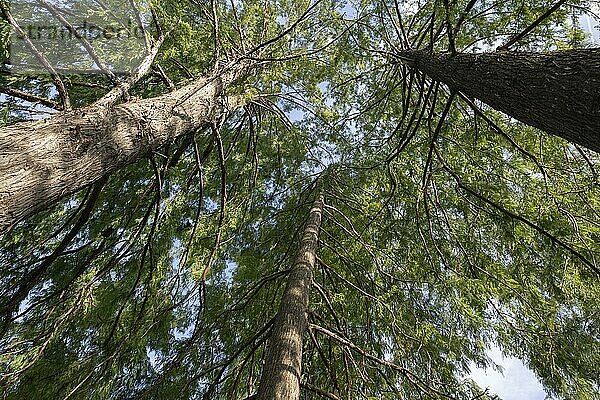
[45, 160]
[557, 92]
[280, 379]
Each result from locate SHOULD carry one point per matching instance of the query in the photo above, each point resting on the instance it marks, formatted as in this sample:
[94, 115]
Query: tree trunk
[557, 92]
[280, 379]
[45, 160]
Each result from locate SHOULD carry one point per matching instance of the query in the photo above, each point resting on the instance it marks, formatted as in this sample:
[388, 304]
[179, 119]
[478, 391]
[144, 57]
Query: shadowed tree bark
[557, 92]
[45, 160]
[280, 379]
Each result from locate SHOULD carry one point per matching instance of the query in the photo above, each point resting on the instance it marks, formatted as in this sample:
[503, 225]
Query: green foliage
[162, 282]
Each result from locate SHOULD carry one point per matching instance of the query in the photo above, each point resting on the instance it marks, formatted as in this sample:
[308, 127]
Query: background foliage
[449, 228]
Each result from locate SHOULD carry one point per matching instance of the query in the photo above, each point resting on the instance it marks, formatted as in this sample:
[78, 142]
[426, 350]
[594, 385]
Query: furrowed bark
[280, 379]
[557, 92]
[43, 161]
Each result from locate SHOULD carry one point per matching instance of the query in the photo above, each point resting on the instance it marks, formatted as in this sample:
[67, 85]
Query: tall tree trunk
[280, 379]
[557, 92]
[45, 160]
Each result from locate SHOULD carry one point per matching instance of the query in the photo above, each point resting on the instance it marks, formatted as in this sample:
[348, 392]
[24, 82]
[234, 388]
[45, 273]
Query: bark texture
[45, 160]
[557, 92]
[280, 379]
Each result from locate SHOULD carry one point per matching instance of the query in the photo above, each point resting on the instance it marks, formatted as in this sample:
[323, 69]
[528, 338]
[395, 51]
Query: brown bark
[45, 160]
[280, 379]
[557, 92]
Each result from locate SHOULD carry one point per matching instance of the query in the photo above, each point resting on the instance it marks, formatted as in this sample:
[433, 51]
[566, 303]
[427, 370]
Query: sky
[590, 24]
[516, 382]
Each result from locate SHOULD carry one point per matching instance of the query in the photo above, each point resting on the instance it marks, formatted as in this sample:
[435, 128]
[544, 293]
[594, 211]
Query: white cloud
[516, 382]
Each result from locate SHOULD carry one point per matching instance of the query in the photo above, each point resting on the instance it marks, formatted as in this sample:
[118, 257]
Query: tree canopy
[150, 219]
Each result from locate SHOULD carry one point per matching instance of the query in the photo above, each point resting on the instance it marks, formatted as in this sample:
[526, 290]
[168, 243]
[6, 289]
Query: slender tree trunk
[280, 379]
[45, 160]
[557, 92]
